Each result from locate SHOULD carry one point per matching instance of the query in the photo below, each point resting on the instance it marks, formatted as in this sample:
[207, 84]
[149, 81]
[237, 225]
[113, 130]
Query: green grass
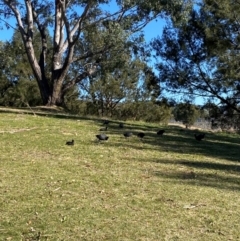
[162, 188]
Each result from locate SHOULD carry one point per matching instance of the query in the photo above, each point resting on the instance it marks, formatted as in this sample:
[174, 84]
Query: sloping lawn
[168, 187]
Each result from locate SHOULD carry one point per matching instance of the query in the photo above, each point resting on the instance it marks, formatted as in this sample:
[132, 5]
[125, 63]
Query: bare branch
[17, 14]
[76, 30]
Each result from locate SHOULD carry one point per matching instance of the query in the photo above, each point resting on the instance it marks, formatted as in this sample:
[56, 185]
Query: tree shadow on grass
[175, 139]
[215, 146]
[197, 173]
[214, 180]
[214, 166]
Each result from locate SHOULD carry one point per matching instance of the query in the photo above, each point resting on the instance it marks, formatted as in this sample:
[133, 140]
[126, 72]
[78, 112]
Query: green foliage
[5, 85]
[187, 113]
[145, 111]
[223, 116]
[24, 93]
[18, 87]
[79, 107]
[213, 110]
[82, 33]
[117, 80]
[200, 56]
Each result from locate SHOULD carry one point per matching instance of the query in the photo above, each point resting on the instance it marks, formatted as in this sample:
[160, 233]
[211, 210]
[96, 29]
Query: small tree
[187, 113]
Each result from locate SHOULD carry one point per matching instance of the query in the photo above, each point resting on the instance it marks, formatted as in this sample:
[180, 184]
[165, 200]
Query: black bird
[102, 137]
[127, 134]
[70, 143]
[160, 132]
[199, 137]
[141, 135]
[104, 129]
[105, 122]
[121, 125]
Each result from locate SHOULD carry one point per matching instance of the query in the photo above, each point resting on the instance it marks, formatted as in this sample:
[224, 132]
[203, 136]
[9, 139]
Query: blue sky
[153, 29]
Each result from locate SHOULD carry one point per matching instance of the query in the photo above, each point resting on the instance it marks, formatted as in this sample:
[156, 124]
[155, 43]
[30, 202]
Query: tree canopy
[75, 34]
[201, 56]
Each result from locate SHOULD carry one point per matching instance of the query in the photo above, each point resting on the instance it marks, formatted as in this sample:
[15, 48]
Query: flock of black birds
[127, 134]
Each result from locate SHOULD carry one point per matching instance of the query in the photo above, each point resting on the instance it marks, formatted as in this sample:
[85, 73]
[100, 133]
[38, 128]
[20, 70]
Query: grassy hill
[168, 187]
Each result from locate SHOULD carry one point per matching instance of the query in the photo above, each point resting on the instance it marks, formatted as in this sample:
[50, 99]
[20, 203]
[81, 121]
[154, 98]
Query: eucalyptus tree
[201, 56]
[69, 24]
